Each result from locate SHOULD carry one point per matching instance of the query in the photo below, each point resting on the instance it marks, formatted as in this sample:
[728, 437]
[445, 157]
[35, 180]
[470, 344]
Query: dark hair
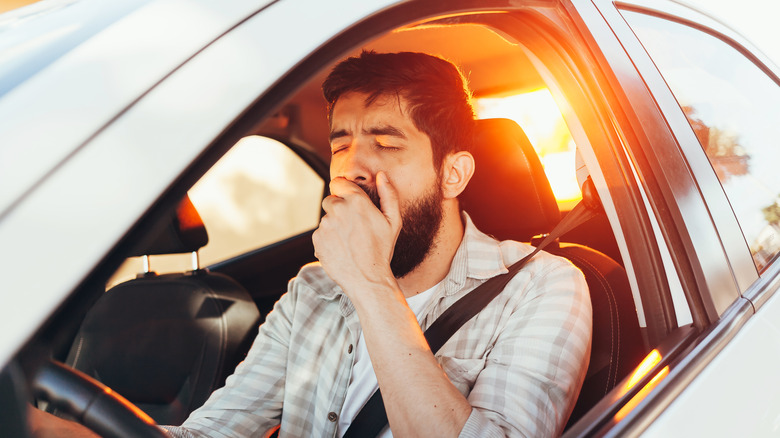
[436, 92]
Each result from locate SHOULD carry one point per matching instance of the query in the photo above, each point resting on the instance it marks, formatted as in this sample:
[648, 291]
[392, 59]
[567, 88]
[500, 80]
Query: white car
[112, 111]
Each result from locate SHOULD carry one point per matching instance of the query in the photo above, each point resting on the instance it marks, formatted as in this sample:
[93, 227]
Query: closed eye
[334, 149]
[385, 146]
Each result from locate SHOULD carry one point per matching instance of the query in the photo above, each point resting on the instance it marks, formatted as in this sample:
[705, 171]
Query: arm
[535, 368]
[532, 374]
[417, 394]
[44, 425]
[251, 399]
[536, 361]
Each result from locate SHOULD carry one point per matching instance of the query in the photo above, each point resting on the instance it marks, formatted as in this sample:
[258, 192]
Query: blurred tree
[727, 156]
[772, 214]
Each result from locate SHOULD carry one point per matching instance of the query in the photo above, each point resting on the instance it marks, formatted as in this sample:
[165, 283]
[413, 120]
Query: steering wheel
[92, 403]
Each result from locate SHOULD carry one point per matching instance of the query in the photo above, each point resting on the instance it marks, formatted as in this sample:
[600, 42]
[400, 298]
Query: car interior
[165, 339]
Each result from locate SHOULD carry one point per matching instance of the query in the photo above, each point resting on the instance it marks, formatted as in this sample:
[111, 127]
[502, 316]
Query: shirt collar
[477, 257]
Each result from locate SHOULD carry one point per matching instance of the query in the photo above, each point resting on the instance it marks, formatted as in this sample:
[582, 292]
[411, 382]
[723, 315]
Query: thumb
[388, 199]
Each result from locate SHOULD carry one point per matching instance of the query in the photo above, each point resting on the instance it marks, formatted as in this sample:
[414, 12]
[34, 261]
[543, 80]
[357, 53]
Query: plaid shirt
[520, 361]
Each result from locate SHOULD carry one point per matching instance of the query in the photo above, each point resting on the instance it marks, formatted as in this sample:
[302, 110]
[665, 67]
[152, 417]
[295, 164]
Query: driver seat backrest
[166, 342]
[510, 198]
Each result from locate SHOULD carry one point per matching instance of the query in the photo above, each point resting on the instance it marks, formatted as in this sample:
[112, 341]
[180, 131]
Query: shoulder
[543, 261]
[312, 273]
[546, 276]
[313, 278]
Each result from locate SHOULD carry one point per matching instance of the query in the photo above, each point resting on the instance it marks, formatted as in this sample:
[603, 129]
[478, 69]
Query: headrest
[182, 232]
[509, 196]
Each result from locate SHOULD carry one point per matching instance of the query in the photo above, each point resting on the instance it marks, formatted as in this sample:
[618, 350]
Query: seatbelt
[372, 418]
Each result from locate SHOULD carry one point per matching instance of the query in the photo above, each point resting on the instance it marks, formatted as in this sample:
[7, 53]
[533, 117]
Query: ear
[457, 170]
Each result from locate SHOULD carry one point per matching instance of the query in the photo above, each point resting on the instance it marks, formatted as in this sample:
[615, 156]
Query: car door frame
[256, 91]
[687, 195]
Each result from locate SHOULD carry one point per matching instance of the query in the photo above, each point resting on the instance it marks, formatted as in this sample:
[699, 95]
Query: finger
[388, 199]
[315, 240]
[341, 186]
[328, 202]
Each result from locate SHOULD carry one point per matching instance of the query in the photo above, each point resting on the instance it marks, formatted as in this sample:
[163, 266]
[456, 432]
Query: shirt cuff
[176, 432]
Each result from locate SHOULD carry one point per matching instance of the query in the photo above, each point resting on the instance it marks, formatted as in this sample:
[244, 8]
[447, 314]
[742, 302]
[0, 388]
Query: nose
[354, 164]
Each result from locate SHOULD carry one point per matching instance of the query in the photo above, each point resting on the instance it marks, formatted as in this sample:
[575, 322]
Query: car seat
[509, 197]
[165, 342]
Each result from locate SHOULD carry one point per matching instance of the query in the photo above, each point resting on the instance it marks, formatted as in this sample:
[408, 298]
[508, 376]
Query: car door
[705, 202]
[659, 199]
[192, 125]
[729, 94]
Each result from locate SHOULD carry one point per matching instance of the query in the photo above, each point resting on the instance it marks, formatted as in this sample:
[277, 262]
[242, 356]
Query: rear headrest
[183, 232]
[509, 196]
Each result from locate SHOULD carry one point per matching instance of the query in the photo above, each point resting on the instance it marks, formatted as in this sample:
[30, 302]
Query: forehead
[359, 105]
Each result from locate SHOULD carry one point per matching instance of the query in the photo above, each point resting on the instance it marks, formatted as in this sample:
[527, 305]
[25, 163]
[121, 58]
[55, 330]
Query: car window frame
[718, 328]
[587, 112]
[742, 265]
[243, 114]
[676, 338]
[680, 188]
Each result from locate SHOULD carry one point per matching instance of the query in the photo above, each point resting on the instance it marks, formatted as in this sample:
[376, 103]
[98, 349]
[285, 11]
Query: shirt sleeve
[534, 371]
[250, 403]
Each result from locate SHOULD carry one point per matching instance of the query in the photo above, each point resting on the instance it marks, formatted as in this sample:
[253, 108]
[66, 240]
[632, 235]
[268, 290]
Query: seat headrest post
[195, 261]
[147, 267]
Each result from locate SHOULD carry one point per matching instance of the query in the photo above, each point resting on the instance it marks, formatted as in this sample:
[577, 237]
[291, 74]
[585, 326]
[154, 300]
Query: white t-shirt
[362, 383]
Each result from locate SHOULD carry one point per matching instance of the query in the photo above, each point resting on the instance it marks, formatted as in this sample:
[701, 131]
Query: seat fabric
[510, 197]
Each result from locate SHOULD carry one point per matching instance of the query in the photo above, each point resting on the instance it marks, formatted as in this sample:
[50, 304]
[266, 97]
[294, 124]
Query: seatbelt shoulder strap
[372, 418]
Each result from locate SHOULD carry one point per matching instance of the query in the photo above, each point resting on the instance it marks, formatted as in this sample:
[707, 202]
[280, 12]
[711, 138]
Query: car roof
[71, 67]
[33, 37]
[59, 106]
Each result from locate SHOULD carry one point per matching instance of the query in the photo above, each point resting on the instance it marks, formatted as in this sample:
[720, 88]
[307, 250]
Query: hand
[43, 424]
[355, 240]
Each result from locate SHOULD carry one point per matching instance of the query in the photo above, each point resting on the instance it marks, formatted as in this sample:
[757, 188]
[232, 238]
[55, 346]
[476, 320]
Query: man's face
[365, 140]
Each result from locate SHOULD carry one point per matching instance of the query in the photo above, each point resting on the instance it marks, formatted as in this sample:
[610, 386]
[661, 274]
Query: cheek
[414, 185]
[336, 166]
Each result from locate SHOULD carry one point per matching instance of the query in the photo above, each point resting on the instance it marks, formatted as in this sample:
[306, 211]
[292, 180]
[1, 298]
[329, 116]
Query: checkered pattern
[520, 362]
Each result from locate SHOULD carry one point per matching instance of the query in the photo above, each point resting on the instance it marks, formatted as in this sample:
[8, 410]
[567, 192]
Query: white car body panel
[736, 394]
[90, 85]
[179, 119]
[103, 103]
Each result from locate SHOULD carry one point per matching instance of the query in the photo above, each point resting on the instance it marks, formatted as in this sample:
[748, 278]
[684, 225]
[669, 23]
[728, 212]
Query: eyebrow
[376, 131]
[387, 130]
[338, 134]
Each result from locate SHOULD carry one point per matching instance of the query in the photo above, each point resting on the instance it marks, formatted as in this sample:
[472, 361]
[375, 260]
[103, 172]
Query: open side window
[261, 192]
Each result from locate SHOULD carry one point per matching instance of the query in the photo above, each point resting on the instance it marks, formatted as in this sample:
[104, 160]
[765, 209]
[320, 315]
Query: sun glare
[628, 407]
[649, 362]
[540, 118]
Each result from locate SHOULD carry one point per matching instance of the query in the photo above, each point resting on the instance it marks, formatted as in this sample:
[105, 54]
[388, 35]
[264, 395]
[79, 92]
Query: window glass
[734, 109]
[259, 193]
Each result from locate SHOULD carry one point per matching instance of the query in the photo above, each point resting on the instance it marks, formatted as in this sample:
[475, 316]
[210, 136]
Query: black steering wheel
[93, 404]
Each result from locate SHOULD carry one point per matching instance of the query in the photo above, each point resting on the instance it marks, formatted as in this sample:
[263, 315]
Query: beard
[421, 221]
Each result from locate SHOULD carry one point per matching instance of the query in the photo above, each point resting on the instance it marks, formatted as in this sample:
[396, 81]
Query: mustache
[372, 193]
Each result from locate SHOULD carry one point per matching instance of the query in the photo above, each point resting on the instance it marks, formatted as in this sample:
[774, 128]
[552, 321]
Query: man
[394, 252]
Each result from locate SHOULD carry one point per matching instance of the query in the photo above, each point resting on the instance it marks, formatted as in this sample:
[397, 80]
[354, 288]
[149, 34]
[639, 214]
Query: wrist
[379, 292]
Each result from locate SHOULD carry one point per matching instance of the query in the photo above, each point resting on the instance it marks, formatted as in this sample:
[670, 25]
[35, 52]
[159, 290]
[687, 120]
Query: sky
[756, 20]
